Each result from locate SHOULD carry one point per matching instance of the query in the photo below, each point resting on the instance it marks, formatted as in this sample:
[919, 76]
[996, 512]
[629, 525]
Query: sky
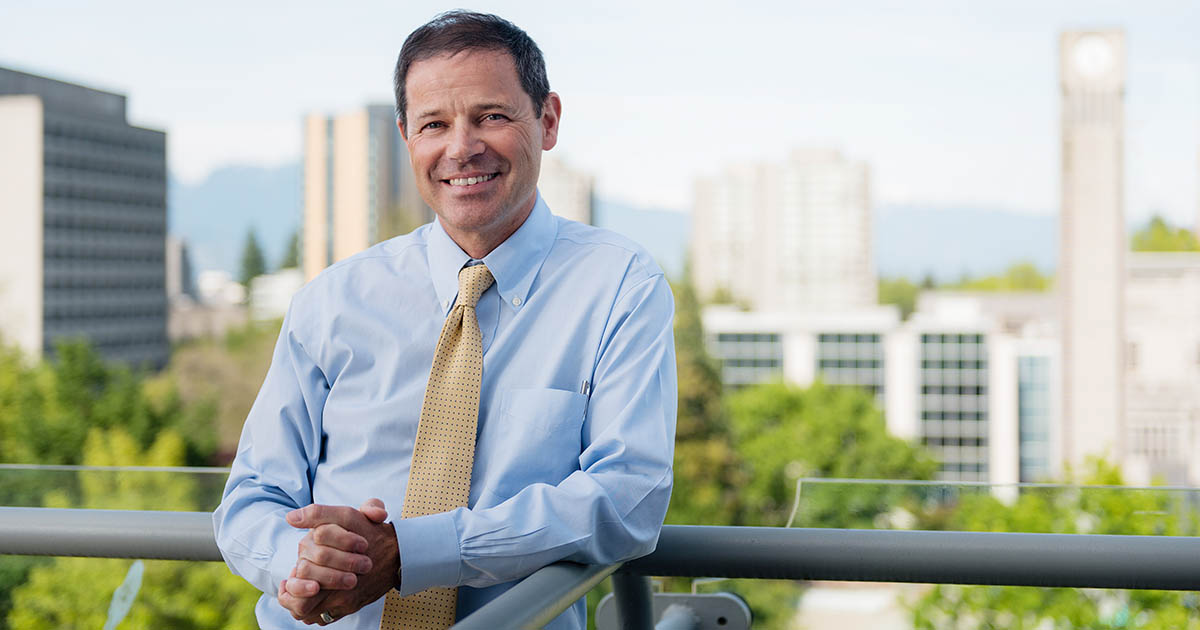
[951, 104]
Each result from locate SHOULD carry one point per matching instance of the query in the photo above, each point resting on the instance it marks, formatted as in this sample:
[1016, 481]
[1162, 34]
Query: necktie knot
[472, 282]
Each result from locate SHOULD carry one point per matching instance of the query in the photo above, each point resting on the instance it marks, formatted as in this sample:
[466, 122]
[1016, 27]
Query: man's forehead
[487, 78]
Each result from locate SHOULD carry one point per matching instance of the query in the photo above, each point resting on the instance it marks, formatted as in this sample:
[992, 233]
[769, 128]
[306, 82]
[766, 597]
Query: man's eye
[495, 117]
[433, 125]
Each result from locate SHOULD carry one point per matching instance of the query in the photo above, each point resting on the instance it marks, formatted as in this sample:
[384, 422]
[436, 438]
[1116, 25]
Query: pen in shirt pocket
[585, 388]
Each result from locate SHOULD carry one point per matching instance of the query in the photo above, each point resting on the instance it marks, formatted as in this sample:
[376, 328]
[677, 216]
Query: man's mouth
[471, 181]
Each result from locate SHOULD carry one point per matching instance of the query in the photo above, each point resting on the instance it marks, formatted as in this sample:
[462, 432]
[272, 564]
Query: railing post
[635, 610]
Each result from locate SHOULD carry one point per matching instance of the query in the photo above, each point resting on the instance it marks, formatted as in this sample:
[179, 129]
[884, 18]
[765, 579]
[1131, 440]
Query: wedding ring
[326, 617]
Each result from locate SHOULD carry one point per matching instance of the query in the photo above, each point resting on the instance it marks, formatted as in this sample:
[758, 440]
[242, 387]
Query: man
[543, 430]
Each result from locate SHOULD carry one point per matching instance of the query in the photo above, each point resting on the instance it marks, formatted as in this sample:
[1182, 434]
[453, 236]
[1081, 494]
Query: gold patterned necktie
[439, 479]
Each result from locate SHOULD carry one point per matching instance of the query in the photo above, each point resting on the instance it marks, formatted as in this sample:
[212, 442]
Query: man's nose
[465, 143]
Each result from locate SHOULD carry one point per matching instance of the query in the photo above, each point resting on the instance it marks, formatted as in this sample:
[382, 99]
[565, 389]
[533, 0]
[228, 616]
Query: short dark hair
[453, 32]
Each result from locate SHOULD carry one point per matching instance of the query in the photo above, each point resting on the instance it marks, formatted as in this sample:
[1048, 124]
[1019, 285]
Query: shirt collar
[514, 263]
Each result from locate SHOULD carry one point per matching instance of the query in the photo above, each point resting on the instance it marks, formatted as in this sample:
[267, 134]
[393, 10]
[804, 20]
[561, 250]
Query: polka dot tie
[440, 477]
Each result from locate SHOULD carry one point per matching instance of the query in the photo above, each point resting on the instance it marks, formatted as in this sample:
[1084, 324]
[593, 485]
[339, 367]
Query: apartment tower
[358, 185]
[791, 236]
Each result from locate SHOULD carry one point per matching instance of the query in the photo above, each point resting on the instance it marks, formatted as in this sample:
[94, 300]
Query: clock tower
[1092, 244]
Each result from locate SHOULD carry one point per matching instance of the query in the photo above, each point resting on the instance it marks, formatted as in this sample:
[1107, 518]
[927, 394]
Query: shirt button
[516, 301]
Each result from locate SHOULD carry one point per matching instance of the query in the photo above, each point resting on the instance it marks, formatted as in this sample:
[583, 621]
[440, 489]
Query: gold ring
[326, 617]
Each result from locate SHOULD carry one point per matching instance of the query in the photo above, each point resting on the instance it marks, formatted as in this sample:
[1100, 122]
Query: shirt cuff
[287, 552]
[429, 552]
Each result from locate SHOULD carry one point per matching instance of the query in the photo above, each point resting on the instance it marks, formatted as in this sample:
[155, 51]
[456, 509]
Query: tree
[783, 432]
[70, 593]
[901, 292]
[707, 471]
[291, 254]
[1065, 510]
[253, 262]
[49, 408]
[1020, 276]
[1160, 236]
[221, 377]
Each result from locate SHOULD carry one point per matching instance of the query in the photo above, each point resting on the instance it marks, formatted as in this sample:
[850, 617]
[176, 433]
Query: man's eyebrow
[429, 113]
[507, 107]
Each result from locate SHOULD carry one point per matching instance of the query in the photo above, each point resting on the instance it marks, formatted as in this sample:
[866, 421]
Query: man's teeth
[470, 181]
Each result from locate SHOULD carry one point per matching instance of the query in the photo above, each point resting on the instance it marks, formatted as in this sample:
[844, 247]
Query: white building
[568, 192]
[1091, 262]
[970, 375]
[791, 236]
[1162, 371]
[271, 293]
[83, 201]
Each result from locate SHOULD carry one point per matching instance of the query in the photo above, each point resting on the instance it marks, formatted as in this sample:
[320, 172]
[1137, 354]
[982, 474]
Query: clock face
[1092, 56]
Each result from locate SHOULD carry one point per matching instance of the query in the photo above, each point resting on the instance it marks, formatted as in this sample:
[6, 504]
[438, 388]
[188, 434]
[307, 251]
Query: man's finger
[331, 557]
[301, 587]
[338, 537]
[374, 510]
[299, 607]
[311, 516]
[326, 577]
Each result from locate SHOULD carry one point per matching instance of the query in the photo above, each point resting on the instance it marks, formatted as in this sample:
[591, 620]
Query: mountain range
[215, 215]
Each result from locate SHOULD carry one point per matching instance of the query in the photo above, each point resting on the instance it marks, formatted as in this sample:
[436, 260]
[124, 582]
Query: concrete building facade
[1162, 368]
[358, 185]
[790, 236]
[83, 197]
[970, 376]
[1091, 263]
[570, 193]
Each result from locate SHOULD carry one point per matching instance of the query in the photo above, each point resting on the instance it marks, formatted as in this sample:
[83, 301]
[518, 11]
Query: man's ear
[403, 132]
[551, 113]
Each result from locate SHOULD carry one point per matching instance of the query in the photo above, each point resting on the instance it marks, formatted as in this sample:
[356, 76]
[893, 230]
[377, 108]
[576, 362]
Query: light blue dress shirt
[576, 418]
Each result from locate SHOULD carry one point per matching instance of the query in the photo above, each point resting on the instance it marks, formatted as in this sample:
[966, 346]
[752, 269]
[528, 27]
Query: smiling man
[452, 409]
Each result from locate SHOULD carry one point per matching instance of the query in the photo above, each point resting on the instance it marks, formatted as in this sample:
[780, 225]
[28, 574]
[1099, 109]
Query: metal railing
[1011, 559]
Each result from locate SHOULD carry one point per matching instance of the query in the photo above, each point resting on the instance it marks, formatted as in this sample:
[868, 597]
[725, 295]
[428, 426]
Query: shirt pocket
[543, 430]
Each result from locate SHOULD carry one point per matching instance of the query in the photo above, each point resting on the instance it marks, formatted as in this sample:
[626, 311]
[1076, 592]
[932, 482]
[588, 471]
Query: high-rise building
[358, 185]
[1092, 247]
[568, 192]
[793, 236]
[83, 201]
[786, 237]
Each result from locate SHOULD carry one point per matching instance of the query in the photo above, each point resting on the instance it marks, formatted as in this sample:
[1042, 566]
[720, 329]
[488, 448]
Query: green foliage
[254, 264]
[291, 255]
[707, 471]
[47, 409]
[69, 593]
[1021, 276]
[783, 433]
[901, 292]
[1160, 236]
[1066, 510]
[222, 377]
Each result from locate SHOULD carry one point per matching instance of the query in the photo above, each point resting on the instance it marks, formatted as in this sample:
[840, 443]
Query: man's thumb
[374, 510]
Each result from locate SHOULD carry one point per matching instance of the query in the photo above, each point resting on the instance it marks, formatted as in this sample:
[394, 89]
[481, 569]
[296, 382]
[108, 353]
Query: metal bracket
[688, 611]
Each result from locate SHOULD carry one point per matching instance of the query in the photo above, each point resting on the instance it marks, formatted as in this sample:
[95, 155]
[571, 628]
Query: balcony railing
[1071, 560]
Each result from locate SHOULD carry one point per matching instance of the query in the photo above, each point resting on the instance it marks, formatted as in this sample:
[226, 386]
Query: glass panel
[112, 488]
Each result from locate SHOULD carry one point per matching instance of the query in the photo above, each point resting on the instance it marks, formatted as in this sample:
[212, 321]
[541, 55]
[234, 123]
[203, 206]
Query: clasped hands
[348, 559]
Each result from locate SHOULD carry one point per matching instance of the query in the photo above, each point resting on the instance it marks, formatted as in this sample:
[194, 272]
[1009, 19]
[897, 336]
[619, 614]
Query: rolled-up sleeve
[609, 510]
[273, 471]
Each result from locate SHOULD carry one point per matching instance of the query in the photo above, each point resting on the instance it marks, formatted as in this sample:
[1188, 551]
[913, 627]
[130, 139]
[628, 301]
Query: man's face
[475, 141]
